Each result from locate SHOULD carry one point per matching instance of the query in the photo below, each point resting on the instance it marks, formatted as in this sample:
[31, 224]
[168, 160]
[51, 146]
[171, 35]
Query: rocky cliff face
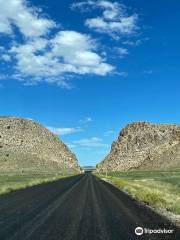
[143, 145]
[27, 146]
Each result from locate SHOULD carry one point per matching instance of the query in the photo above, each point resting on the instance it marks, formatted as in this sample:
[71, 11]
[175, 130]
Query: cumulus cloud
[90, 142]
[25, 17]
[114, 19]
[64, 131]
[78, 53]
[50, 60]
[42, 58]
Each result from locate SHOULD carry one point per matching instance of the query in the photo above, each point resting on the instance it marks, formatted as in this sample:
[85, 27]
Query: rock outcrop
[143, 145]
[26, 146]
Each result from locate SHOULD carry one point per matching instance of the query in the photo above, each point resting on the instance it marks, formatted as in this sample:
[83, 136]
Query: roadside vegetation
[159, 189]
[9, 183]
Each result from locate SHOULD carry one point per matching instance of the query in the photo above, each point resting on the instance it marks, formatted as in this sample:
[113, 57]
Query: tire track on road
[82, 207]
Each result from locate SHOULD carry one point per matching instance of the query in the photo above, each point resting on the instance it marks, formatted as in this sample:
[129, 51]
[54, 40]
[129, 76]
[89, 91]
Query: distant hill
[143, 145]
[27, 146]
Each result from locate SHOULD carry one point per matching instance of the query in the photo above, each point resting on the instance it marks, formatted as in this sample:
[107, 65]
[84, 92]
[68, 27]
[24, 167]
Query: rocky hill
[143, 145]
[26, 146]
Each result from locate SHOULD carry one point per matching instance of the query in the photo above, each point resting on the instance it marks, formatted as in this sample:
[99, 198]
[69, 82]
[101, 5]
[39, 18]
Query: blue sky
[85, 69]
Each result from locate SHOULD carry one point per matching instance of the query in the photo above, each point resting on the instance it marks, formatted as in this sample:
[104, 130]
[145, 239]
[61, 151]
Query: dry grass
[158, 189]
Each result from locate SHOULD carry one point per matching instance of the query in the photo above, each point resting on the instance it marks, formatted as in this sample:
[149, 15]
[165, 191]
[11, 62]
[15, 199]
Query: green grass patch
[9, 183]
[160, 189]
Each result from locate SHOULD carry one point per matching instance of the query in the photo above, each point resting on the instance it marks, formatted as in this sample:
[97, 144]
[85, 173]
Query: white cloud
[86, 120]
[78, 53]
[83, 6]
[135, 42]
[6, 57]
[64, 131]
[3, 55]
[42, 58]
[125, 26]
[69, 52]
[121, 52]
[90, 142]
[114, 20]
[26, 18]
[132, 43]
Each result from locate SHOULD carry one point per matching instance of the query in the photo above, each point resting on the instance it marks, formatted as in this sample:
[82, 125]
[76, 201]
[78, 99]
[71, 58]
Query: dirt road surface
[82, 207]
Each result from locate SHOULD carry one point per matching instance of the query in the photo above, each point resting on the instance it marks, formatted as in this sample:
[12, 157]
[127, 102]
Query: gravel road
[82, 207]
